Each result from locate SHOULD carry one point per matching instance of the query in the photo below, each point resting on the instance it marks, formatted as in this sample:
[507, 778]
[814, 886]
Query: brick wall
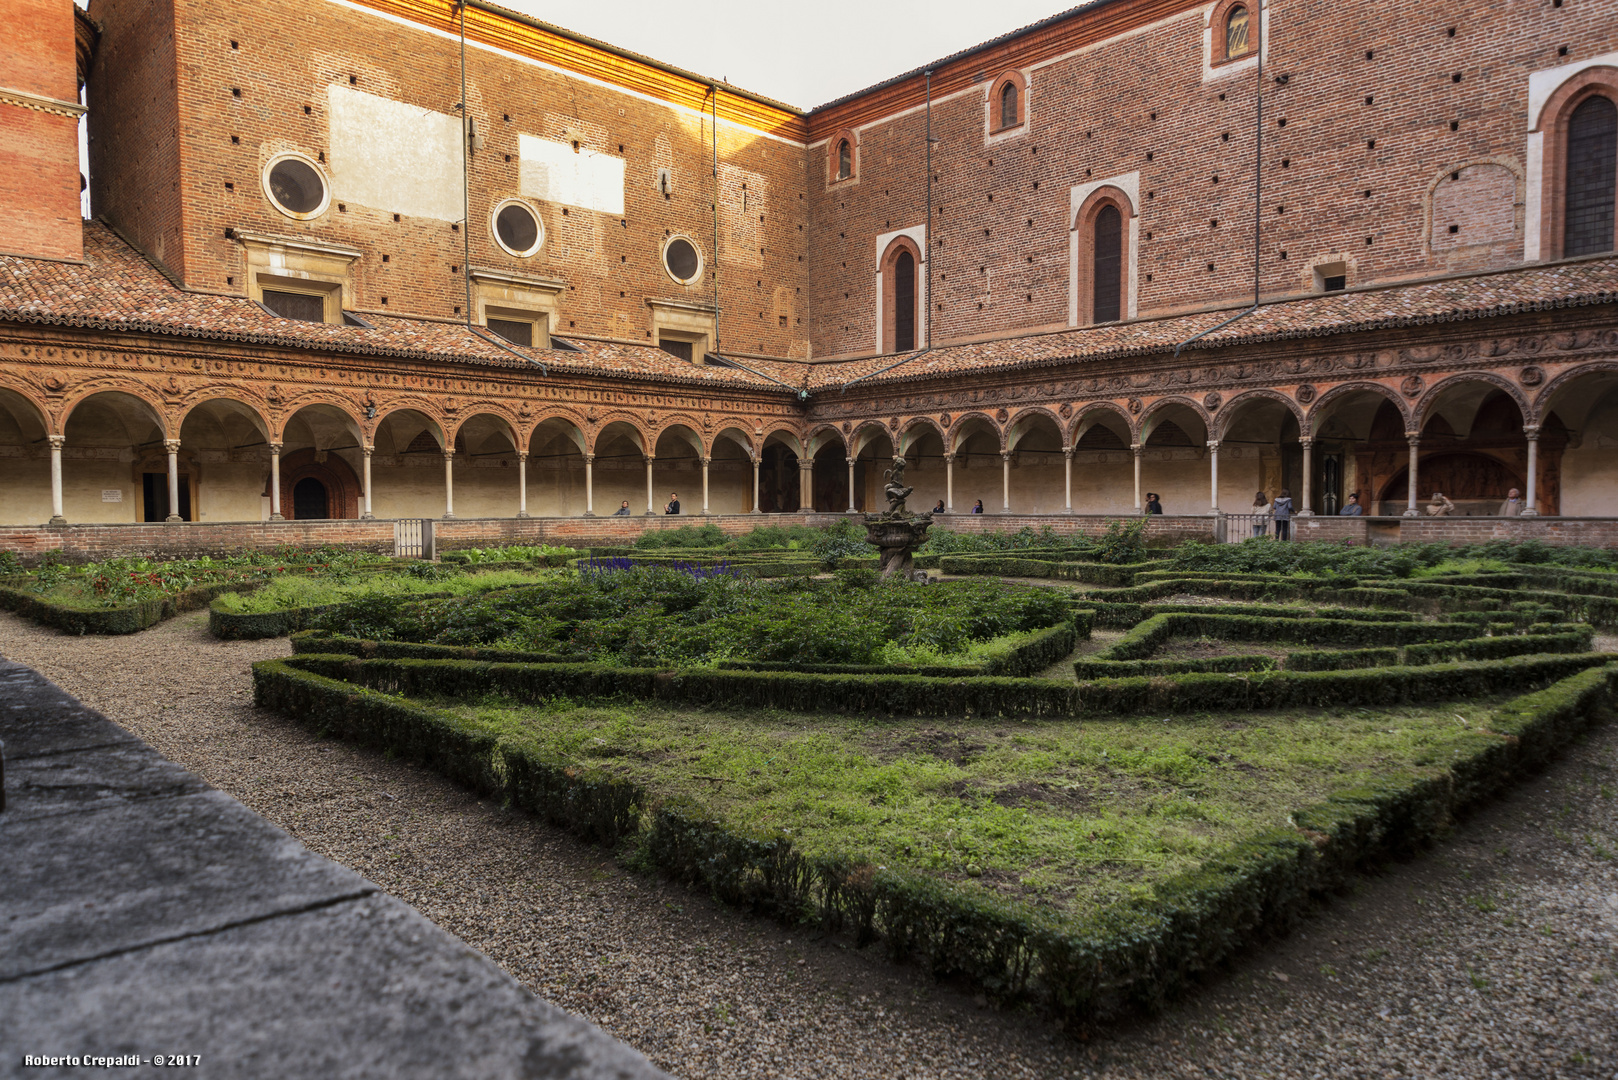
[135, 177]
[611, 264]
[1337, 76]
[39, 187]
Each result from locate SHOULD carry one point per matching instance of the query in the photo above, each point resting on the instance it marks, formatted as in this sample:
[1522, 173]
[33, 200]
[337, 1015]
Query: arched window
[1008, 105]
[1236, 40]
[1592, 178]
[1108, 267]
[845, 160]
[904, 302]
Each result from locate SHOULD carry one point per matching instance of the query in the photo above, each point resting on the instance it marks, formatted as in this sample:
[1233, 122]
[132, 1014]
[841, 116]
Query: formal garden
[1074, 773]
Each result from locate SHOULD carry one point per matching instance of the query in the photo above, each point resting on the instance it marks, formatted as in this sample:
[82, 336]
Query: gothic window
[1008, 105]
[1592, 172]
[1236, 41]
[845, 160]
[1107, 276]
[904, 302]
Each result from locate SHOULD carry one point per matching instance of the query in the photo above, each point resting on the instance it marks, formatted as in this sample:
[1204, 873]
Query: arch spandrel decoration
[1088, 415]
[1424, 405]
[1231, 411]
[1324, 403]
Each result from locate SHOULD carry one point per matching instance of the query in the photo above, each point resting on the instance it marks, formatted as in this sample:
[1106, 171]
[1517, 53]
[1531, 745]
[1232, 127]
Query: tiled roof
[116, 288]
[1534, 288]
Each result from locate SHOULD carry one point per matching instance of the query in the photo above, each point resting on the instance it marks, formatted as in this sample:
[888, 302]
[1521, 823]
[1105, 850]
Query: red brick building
[1186, 248]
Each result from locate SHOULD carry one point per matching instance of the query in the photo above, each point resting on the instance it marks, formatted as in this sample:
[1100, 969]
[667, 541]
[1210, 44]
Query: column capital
[1213, 444]
[706, 461]
[56, 441]
[522, 455]
[851, 462]
[1136, 448]
[171, 445]
[368, 449]
[449, 453]
[275, 447]
[1530, 431]
[649, 458]
[1067, 451]
[949, 458]
[1005, 455]
[1412, 437]
[1303, 440]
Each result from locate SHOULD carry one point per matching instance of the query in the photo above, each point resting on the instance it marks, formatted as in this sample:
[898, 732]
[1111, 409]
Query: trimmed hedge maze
[1084, 822]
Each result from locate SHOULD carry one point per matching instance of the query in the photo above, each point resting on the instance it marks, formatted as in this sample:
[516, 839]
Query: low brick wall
[80, 543]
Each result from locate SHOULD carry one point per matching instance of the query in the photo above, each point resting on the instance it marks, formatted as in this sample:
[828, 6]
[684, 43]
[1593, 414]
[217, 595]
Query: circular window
[517, 228]
[682, 260]
[296, 186]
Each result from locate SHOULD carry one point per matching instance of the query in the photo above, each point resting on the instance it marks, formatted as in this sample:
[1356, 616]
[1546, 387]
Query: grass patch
[1067, 817]
[293, 592]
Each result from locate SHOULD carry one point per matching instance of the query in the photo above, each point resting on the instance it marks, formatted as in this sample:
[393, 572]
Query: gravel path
[1494, 955]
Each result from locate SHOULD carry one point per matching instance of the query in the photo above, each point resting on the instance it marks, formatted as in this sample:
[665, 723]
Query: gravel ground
[1493, 955]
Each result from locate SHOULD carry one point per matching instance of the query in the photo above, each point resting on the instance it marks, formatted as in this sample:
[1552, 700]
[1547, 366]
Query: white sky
[803, 53]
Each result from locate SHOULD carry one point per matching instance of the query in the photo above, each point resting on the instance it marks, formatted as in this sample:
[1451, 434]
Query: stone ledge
[146, 912]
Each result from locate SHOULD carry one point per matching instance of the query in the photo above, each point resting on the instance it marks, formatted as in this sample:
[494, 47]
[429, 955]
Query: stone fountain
[897, 533]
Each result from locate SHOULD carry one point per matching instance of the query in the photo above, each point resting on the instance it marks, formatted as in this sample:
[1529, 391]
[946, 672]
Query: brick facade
[1459, 327]
[39, 94]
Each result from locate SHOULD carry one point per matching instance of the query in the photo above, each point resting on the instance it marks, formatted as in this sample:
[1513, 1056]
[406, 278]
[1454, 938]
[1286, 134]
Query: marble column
[1005, 482]
[275, 482]
[1531, 491]
[1213, 476]
[851, 462]
[1410, 505]
[522, 483]
[57, 517]
[650, 498]
[449, 483]
[589, 485]
[806, 484]
[173, 448]
[366, 494]
[1305, 505]
[756, 510]
[1067, 479]
[705, 463]
[949, 483]
[1137, 449]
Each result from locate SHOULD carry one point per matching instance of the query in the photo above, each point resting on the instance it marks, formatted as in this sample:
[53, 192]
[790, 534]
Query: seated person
[1440, 506]
[1153, 504]
[977, 507]
[939, 508]
[673, 505]
[622, 511]
[1352, 508]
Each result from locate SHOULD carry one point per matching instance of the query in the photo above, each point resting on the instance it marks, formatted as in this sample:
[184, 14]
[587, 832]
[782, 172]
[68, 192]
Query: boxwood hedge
[1139, 951]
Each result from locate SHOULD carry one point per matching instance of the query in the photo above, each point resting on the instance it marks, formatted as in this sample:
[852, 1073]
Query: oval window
[682, 261]
[296, 186]
[517, 228]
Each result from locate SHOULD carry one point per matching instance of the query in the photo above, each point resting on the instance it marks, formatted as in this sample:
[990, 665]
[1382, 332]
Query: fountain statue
[897, 533]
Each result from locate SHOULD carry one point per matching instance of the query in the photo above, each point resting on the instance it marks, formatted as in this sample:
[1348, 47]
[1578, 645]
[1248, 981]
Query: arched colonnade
[221, 454]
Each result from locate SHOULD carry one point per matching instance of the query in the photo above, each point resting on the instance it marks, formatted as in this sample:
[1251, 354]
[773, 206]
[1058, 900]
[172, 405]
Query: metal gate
[1239, 527]
[413, 538]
